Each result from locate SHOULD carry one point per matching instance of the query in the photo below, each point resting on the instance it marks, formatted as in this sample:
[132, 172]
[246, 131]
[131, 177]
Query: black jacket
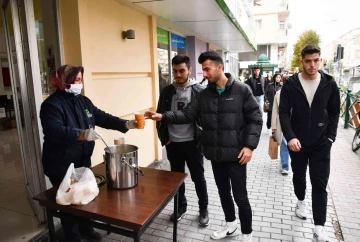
[252, 83]
[270, 91]
[230, 121]
[164, 104]
[310, 125]
[63, 117]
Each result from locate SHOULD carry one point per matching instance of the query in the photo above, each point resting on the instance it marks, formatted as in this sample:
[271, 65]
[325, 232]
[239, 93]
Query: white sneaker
[301, 209]
[246, 238]
[230, 229]
[320, 234]
[284, 172]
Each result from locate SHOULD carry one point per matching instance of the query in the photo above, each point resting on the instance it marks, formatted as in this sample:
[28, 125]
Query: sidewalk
[272, 200]
[345, 184]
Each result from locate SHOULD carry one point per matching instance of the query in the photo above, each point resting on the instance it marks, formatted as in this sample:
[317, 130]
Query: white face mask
[75, 88]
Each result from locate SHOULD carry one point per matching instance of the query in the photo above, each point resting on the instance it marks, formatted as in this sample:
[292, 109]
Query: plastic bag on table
[78, 187]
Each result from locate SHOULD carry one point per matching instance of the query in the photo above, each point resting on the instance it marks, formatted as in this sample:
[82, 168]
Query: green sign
[162, 36]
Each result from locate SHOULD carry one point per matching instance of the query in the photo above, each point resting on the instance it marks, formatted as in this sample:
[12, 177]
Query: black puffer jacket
[164, 104]
[309, 124]
[230, 121]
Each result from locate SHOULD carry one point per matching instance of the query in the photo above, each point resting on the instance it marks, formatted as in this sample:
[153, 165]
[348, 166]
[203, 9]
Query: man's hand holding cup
[154, 116]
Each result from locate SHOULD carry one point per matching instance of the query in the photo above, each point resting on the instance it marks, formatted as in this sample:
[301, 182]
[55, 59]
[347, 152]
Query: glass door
[23, 96]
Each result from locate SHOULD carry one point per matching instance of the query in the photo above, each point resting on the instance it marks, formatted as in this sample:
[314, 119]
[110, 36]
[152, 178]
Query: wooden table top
[130, 208]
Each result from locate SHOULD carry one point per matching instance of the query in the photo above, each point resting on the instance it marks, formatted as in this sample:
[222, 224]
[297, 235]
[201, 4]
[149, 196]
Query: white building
[272, 24]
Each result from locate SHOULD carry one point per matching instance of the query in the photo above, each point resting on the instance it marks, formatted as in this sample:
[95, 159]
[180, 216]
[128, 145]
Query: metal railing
[350, 108]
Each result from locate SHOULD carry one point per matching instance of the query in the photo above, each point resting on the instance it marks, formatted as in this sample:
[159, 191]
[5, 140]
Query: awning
[222, 22]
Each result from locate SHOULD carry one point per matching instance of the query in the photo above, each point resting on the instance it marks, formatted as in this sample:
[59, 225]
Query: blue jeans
[284, 154]
[260, 101]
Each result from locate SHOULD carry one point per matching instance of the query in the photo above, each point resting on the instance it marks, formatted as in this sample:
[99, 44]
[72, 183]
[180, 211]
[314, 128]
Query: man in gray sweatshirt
[182, 141]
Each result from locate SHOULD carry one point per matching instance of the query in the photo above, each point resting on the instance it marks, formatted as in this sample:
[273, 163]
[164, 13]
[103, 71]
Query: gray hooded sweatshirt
[182, 97]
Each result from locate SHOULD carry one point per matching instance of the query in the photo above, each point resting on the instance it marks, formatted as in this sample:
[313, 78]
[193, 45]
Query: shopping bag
[78, 187]
[265, 107]
[273, 148]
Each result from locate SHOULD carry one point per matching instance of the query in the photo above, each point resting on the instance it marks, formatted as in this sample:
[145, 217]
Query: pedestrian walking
[183, 141]
[268, 80]
[270, 91]
[309, 114]
[257, 85]
[277, 134]
[231, 122]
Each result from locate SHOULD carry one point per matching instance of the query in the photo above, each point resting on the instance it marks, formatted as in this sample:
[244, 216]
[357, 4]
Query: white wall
[274, 53]
[269, 32]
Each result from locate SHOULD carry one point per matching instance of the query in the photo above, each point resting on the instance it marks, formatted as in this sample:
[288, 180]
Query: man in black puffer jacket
[231, 122]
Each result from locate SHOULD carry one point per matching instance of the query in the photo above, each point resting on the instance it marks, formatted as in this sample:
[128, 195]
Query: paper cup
[119, 141]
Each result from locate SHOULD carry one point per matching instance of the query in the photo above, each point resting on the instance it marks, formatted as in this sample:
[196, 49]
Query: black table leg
[51, 227]
[136, 237]
[108, 232]
[176, 205]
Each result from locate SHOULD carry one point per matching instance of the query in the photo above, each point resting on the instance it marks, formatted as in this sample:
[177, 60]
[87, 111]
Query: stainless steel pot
[122, 166]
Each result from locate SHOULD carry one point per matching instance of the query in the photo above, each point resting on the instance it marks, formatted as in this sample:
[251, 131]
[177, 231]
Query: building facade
[122, 75]
[349, 66]
[272, 24]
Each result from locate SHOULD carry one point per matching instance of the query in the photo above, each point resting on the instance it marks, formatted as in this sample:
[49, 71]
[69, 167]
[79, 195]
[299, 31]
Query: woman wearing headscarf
[270, 91]
[69, 120]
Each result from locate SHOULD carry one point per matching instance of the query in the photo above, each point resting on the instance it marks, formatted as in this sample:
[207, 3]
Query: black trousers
[318, 159]
[180, 152]
[71, 229]
[233, 175]
[268, 121]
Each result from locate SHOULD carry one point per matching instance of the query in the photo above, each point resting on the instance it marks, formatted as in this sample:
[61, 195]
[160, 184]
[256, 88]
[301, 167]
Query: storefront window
[47, 42]
[178, 44]
[163, 57]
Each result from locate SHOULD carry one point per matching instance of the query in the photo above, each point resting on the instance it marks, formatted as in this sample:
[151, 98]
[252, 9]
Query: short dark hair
[256, 68]
[309, 50]
[179, 59]
[210, 55]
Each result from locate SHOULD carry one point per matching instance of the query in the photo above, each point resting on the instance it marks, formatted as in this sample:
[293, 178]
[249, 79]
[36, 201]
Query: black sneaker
[204, 218]
[181, 214]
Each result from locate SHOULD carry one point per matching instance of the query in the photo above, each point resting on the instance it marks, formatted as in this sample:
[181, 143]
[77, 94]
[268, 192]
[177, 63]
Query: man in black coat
[309, 114]
[257, 84]
[182, 142]
[231, 122]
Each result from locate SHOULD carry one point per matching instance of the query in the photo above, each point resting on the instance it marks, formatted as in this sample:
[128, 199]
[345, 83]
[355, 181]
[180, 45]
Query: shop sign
[177, 41]
[162, 36]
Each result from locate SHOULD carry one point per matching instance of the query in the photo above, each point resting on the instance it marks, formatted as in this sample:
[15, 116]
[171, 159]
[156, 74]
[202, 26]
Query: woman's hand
[131, 124]
[89, 135]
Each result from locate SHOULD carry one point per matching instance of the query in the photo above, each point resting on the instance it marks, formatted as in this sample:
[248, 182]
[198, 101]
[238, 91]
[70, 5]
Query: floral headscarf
[65, 75]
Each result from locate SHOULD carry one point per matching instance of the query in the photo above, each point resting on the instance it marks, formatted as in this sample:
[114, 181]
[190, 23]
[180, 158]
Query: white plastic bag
[83, 191]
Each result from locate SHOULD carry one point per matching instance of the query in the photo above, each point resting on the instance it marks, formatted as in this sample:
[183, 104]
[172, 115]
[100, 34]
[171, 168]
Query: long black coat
[230, 121]
[270, 91]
